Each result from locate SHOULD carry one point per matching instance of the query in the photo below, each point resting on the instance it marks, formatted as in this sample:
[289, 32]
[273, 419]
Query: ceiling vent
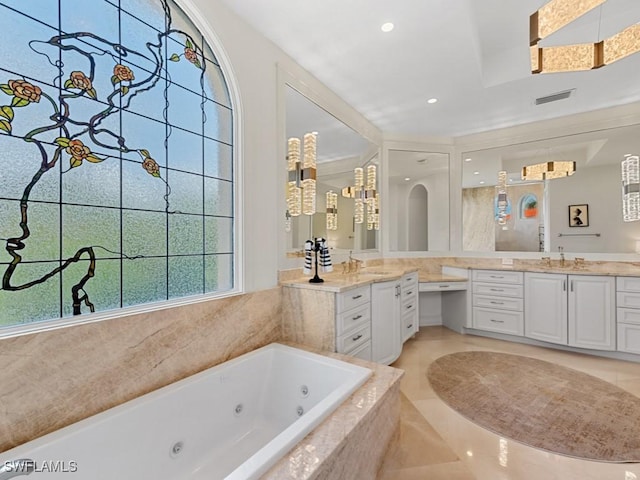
[555, 97]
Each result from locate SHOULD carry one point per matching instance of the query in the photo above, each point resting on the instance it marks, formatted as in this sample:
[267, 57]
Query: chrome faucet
[16, 468]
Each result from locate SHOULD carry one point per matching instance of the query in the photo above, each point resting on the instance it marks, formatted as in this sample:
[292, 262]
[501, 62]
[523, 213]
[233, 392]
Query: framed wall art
[579, 215]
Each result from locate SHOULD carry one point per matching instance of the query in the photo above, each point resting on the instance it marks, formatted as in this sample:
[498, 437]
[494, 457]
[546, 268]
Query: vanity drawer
[628, 338]
[409, 326]
[441, 286]
[363, 352]
[501, 321]
[353, 318]
[353, 298]
[409, 305]
[628, 284]
[628, 315]
[409, 291]
[515, 304]
[628, 299]
[350, 341]
[410, 279]
[497, 276]
[498, 290]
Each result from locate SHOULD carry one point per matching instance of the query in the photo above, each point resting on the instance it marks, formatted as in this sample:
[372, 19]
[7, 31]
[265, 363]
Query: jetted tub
[232, 421]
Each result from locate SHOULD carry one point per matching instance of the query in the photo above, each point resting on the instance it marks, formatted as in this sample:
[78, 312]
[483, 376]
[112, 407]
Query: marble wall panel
[308, 317]
[55, 378]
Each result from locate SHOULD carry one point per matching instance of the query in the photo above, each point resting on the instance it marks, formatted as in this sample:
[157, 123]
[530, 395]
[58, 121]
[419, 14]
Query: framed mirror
[540, 215]
[418, 190]
[340, 149]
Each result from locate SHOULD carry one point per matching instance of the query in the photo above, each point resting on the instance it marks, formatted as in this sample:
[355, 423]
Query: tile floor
[436, 443]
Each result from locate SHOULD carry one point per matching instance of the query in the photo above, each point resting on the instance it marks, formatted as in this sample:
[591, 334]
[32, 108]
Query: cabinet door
[386, 343]
[545, 307]
[592, 312]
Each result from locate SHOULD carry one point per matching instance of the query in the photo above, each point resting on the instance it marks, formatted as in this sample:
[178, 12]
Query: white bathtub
[231, 421]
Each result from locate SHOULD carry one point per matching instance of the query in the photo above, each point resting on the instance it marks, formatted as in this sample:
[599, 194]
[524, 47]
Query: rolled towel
[308, 257]
[325, 258]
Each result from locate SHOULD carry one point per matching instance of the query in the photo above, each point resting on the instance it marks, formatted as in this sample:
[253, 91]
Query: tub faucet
[15, 468]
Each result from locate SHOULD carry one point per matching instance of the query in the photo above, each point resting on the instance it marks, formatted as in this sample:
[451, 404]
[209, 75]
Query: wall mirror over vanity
[340, 151]
[418, 189]
[542, 215]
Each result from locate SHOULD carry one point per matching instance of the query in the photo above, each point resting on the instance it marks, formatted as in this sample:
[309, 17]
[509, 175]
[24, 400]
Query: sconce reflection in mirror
[501, 199]
[301, 182]
[631, 188]
[332, 210]
[365, 196]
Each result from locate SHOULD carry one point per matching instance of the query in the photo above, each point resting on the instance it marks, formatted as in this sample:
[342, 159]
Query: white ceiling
[473, 55]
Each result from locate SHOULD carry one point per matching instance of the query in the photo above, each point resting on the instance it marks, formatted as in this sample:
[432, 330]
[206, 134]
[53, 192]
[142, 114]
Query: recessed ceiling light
[386, 27]
[482, 182]
[467, 159]
[476, 173]
[432, 100]
[406, 179]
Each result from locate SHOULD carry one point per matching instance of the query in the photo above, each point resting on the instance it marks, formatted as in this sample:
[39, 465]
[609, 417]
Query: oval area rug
[541, 404]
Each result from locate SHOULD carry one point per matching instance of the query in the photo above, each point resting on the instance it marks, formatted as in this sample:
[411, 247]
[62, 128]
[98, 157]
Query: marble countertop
[439, 277]
[569, 268]
[342, 282]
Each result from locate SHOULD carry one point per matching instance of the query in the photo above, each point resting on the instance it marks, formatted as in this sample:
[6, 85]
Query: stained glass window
[116, 159]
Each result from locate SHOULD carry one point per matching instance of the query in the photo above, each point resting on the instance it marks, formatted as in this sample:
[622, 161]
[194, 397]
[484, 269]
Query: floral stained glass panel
[116, 159]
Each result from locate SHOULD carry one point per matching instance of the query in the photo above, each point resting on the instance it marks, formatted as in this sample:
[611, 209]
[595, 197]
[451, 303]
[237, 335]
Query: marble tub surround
[352, 442]
[308, 317]
[55, 378]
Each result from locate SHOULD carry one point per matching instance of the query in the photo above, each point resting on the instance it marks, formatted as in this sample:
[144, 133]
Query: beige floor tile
[484, 455]
[443, 471]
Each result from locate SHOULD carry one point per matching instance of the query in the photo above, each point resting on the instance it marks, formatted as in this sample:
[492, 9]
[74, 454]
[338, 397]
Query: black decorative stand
[316, 248]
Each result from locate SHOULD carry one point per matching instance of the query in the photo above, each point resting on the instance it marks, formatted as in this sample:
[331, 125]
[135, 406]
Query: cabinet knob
[356, 338]
[497, 321]
[410, 326]
[357, 317]
[356, 297]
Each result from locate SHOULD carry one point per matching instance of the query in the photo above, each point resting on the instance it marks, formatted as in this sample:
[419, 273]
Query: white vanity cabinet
[410, 316]
[386, 341]
[353, 322]
[497, 301]
[575, 310]
[628, 314]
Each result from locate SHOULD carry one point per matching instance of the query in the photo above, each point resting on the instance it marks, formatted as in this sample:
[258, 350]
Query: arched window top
[116, 151]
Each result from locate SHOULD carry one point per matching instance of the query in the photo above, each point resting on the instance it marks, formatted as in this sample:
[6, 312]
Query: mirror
[339, 150]
[540, 218]
[418, 200]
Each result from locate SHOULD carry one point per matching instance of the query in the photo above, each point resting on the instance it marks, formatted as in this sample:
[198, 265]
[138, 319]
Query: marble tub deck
[352, 442]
